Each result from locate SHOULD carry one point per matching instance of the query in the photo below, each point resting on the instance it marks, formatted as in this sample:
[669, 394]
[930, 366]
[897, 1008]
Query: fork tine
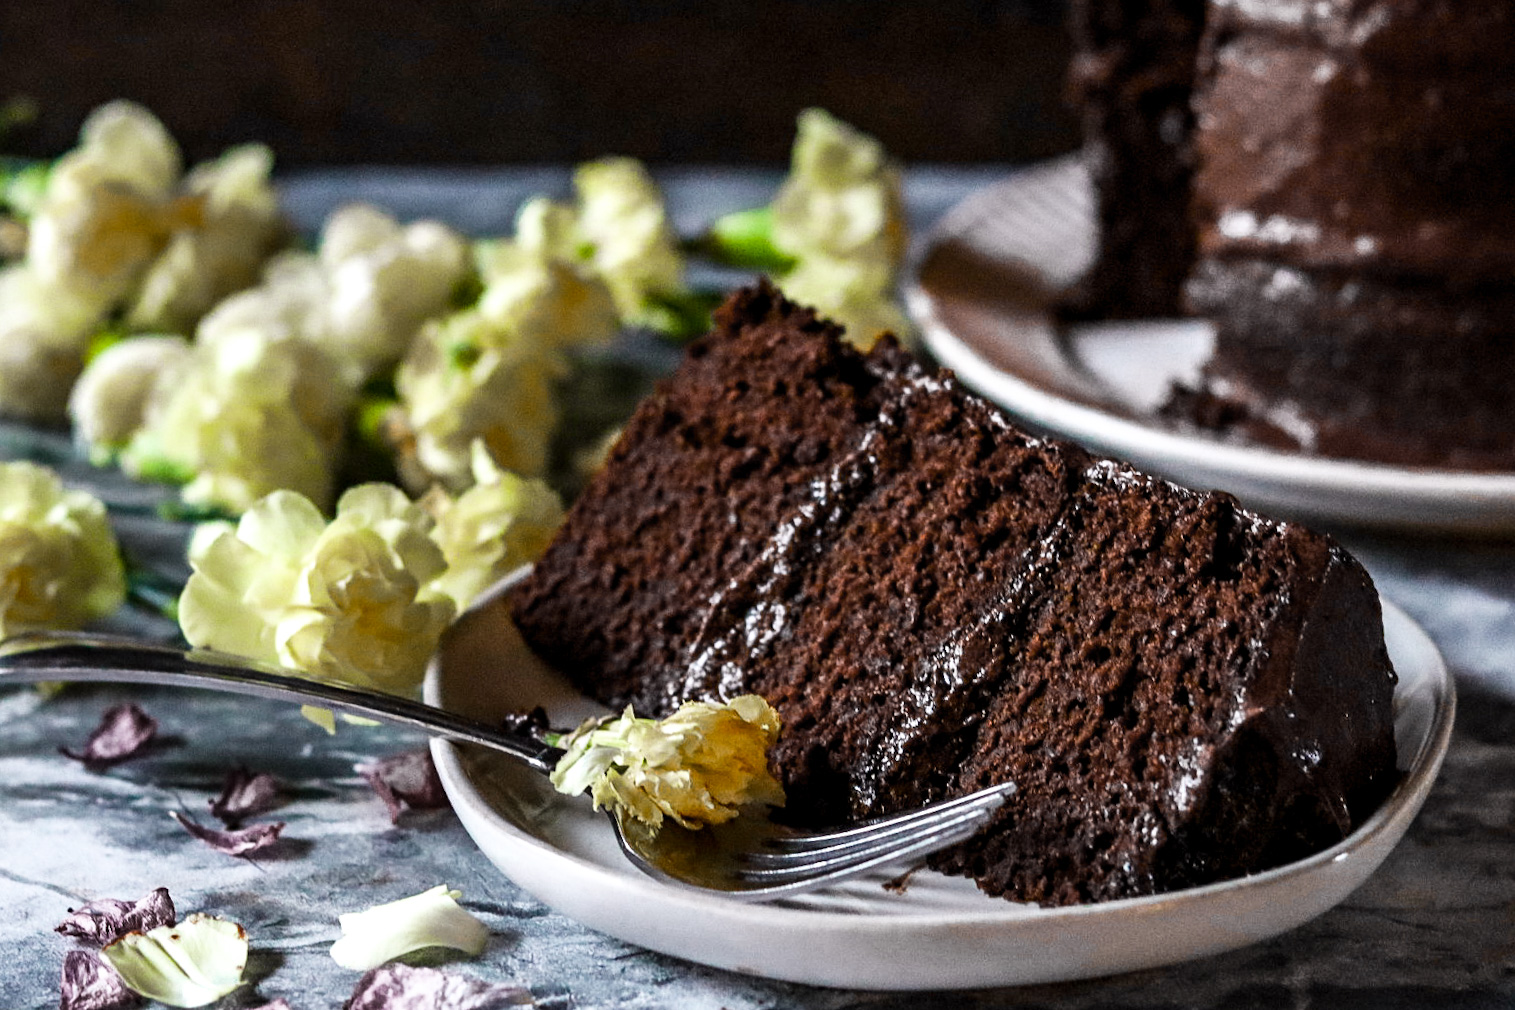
[804, 850]
[991, 798]
[962, 826]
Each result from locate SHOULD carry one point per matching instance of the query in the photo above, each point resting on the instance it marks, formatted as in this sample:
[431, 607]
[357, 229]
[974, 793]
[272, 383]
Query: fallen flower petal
[107, 920]
[91, 984]
[244, 795]
[233, 843]
[278, 1004]
[401, 987]
[405, 781]
[123, 733]
[430, 919]
[188, 965]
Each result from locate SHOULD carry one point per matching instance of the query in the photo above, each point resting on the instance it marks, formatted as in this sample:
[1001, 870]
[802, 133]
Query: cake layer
[1132, 78]
[934, 600]
[1357, 156]
[1418, 374]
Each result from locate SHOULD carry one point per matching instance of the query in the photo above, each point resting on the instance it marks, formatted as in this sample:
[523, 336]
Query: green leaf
[679, 316]
[744, 238]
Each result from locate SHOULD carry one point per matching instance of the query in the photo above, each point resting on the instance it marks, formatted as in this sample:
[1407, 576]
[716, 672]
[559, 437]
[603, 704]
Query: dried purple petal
[91, 984]
[105, 921]
[405, 781]
[401, 987]
[123, 733]
[278, 1004]
[233, 843]
[244, 795]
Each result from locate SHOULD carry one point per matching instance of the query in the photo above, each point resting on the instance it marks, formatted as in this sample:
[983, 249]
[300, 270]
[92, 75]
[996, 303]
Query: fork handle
[59, 656]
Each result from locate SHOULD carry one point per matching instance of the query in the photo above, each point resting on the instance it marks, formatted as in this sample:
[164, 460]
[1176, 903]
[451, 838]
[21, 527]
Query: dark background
[388, 81]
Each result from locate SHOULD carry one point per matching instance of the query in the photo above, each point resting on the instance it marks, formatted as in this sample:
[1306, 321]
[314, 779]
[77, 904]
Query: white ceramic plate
[979, 291]
[941, 933]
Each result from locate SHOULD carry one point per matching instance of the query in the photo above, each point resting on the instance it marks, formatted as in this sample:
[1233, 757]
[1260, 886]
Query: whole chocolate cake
[1345, 201]
[935, 601]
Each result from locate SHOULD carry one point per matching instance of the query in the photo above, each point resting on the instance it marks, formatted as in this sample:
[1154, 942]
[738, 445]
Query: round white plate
[941, 932]
[980, 290]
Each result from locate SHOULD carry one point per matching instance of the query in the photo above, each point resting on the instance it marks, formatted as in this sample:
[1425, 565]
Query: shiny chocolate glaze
[1377, 136]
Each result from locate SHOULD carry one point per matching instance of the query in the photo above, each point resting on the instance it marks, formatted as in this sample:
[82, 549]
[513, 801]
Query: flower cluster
[59, 566]
[363, 599]
[115, 230]
[698, 766]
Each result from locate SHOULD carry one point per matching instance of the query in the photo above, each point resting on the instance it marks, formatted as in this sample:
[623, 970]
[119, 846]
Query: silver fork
[750, 858]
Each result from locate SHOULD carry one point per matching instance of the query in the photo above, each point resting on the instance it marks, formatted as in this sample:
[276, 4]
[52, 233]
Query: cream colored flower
[342, 601]
[109, 206]
[59, 566]
[840, 217]
[122, 142]
[468, 378]
[246, 417]
[44, 328]
[856, 294]
[291, 302]
[617, 229]
[698, 766]
[548, 302]
[241, 227]
[187, 964]
[384, 932]
[623, 219]
[385, 283]
[843, 197]
[550, 230]
[109, 401]
[499, 524]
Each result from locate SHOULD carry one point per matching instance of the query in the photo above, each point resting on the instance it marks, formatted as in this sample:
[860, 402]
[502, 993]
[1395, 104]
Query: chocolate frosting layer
[1389, 155]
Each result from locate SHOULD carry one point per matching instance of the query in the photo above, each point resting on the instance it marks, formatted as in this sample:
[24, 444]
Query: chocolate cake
[935, 601]
[1348, 214]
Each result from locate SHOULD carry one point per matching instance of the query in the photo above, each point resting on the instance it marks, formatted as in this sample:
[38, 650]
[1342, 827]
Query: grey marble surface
[1434, 927]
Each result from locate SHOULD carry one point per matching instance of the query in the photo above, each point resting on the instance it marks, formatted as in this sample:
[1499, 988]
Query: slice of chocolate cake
[934, 601]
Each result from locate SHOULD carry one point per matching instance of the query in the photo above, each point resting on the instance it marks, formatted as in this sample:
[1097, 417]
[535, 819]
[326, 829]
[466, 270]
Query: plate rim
[1383, 829]
[1150, 443]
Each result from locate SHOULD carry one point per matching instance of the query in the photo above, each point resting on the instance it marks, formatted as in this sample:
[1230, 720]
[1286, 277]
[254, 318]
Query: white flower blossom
[43, 330]
[385, 284]
[245, 417]
[108, 209]
[109, 401]
[843, 197]
[634, 247]
[617, 229]
[549, 302]
[469, 378]
[241, 226]
[858, 295]
[698, 766]
[59, 565]
[840, 217]
[499, 524]
[343, 601]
